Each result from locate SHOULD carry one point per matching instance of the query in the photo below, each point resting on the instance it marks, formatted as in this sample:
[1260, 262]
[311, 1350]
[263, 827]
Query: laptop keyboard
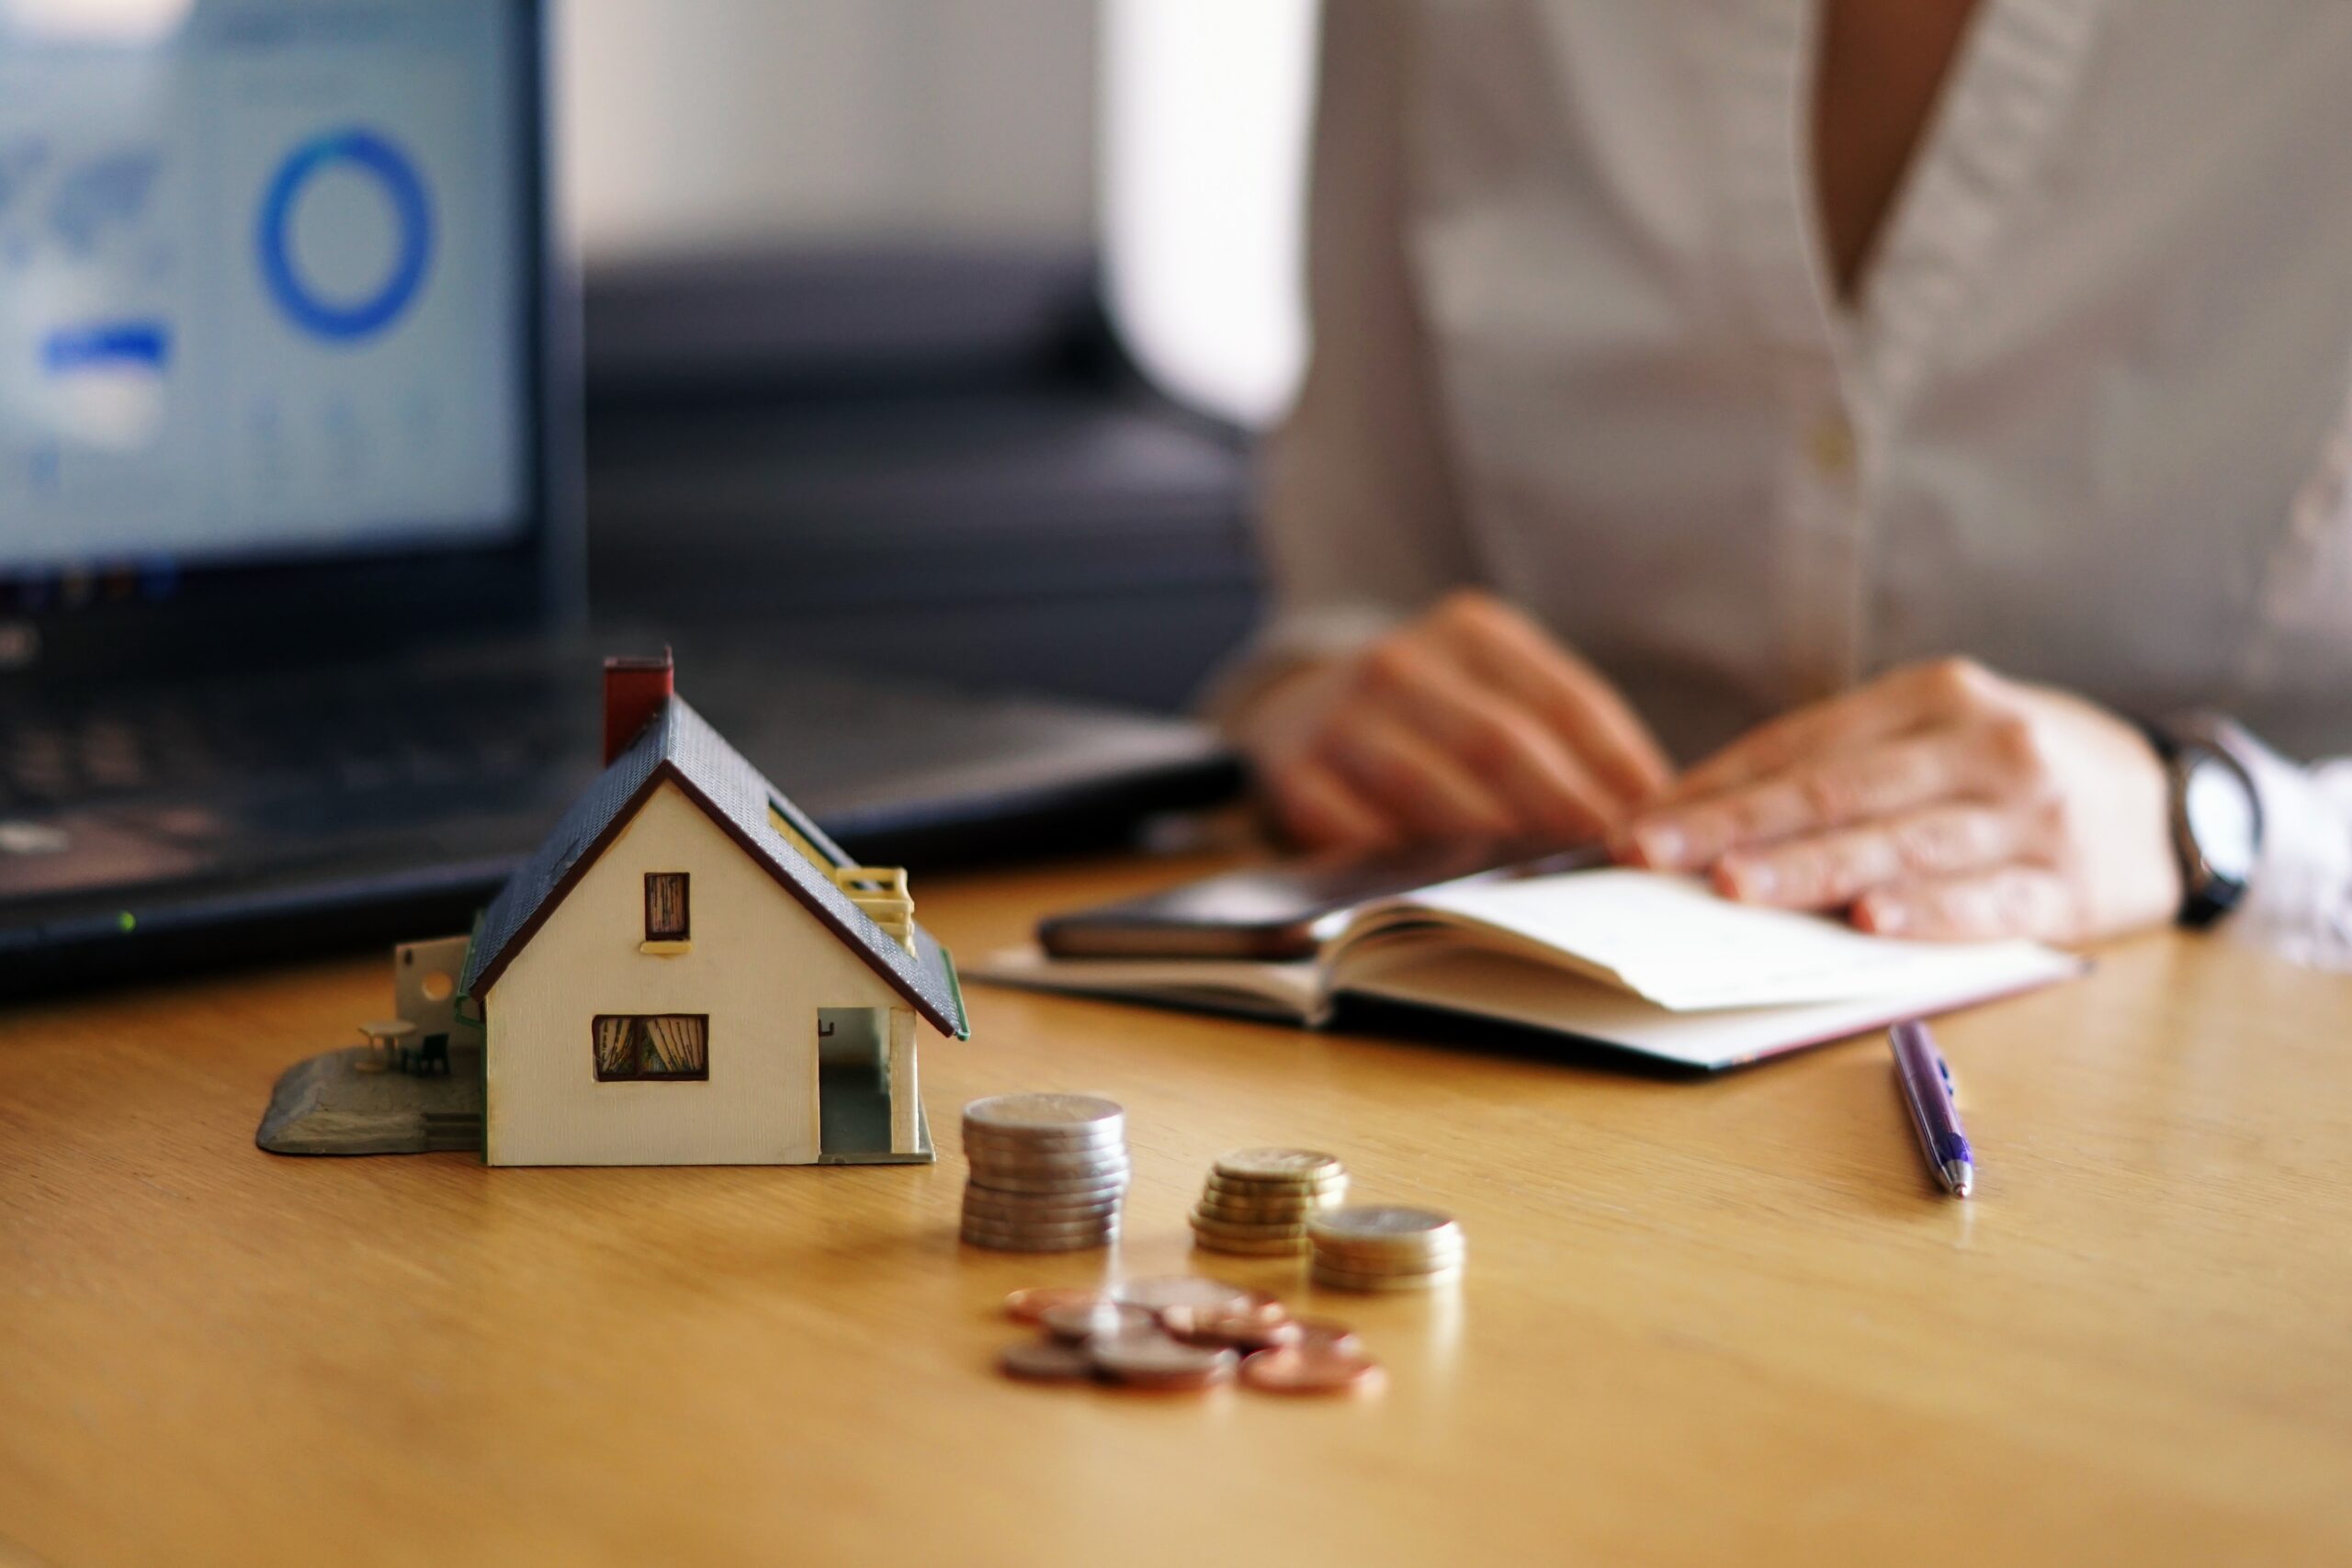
[276, 740]
[343, 773]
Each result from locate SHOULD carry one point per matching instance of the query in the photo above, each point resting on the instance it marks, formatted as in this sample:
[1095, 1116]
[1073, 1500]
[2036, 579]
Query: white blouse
[2089, 419]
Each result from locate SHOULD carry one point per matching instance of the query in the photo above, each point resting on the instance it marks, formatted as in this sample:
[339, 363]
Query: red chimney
[635, 691]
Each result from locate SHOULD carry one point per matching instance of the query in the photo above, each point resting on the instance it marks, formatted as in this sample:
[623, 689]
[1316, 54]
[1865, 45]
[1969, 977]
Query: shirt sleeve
[2299, 903]
[1359, 526]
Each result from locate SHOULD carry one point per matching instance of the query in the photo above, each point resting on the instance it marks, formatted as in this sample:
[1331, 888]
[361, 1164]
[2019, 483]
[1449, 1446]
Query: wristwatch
[2216, 824]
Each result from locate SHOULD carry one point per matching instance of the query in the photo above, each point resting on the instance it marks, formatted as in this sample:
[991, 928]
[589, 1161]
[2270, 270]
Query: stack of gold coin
[1259, 1201]
[1048, 1172]
[1384, 1247]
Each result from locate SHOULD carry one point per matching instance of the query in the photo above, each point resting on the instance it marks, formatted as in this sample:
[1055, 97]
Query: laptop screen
[265, 277]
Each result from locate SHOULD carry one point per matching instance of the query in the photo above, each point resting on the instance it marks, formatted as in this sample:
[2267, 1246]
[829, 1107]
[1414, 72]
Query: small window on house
[631, 1046]
[665, 905]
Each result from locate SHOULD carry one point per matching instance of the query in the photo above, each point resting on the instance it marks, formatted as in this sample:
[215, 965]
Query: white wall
[715, 125]
[760, 965]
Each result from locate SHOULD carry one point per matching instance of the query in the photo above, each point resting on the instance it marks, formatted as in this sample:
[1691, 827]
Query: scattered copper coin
[1322, 1334]
[1240, 1330]
[1045, 1361]
[1029, 1305]
[1074, 1324]
[1154, 1360]
[1295, 1369]
[1188, 1290]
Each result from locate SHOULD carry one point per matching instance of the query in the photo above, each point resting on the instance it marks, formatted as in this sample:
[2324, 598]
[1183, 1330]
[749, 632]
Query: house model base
[342, 1102]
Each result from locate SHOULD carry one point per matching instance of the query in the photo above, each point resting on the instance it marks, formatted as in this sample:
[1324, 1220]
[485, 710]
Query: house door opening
[852, 1081]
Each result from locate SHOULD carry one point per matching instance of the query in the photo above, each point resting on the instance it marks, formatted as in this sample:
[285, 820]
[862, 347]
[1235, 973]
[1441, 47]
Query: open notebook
[1646, 963]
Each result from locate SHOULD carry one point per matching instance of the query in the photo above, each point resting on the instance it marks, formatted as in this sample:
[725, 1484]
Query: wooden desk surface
[1716, 1320]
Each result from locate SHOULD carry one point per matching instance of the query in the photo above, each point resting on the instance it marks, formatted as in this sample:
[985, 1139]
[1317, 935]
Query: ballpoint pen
[1928, 1088]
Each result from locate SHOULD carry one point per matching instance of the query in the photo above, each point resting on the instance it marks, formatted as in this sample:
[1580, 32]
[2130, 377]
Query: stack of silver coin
[1259, 1201]
[1384, 1247]
[1048, 1172]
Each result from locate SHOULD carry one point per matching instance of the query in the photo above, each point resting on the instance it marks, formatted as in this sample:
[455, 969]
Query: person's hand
[1468, 722]
[1941, 801]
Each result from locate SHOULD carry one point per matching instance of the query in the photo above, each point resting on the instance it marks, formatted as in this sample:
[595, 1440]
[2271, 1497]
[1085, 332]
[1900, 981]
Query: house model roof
[680, 746]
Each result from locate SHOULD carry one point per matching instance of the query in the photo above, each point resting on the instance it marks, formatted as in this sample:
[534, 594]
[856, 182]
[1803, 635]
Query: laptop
[293, 642]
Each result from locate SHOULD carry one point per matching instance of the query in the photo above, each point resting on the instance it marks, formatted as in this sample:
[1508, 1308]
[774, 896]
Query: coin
[1032, 1184]
[1098, 1184]
[979, 1218]
[1372, 1224]
[1051, 1162]
[1154, 1360]
[995, 1243]
[1339, 1279]
[1234, 1246]
[1029, 1305]
[1322, 1334]
[1355, 1261]
[1290, 1167]
[1263, 1230]
[995, 1211]
[1099, 1194]
[1242, 1331]
[981, 1224]
[1227, 1206]
[1045, 1361]
[997, 1178]
[1074, 1323]
[1191, 1290]
[1069, 1195]
[1107, 1134]
[1299, 1192]
[1296, 1368]
[1047, 1160]
[1044, 1112]
[1382, 1267]
[1005, 1126]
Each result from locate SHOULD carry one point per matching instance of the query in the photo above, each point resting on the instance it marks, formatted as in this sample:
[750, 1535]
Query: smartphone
[1281, 910]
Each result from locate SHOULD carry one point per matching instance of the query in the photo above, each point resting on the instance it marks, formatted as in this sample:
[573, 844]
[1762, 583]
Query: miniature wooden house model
[688, 972]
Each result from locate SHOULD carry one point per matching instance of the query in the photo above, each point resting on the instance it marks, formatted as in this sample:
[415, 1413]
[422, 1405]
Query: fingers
[1545, 786]
[1831, 870]
[1468, 722]
[1506, 650]
[1876, 780]
[1413, 781]
[1316, 807]
[2013, 902]
[1904, 700]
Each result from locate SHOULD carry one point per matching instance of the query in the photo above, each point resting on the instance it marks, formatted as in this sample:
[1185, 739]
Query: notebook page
[1517, 990]
[1672, 941]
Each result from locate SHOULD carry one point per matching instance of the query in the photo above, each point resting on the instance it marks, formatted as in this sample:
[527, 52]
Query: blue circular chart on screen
[395, 178]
